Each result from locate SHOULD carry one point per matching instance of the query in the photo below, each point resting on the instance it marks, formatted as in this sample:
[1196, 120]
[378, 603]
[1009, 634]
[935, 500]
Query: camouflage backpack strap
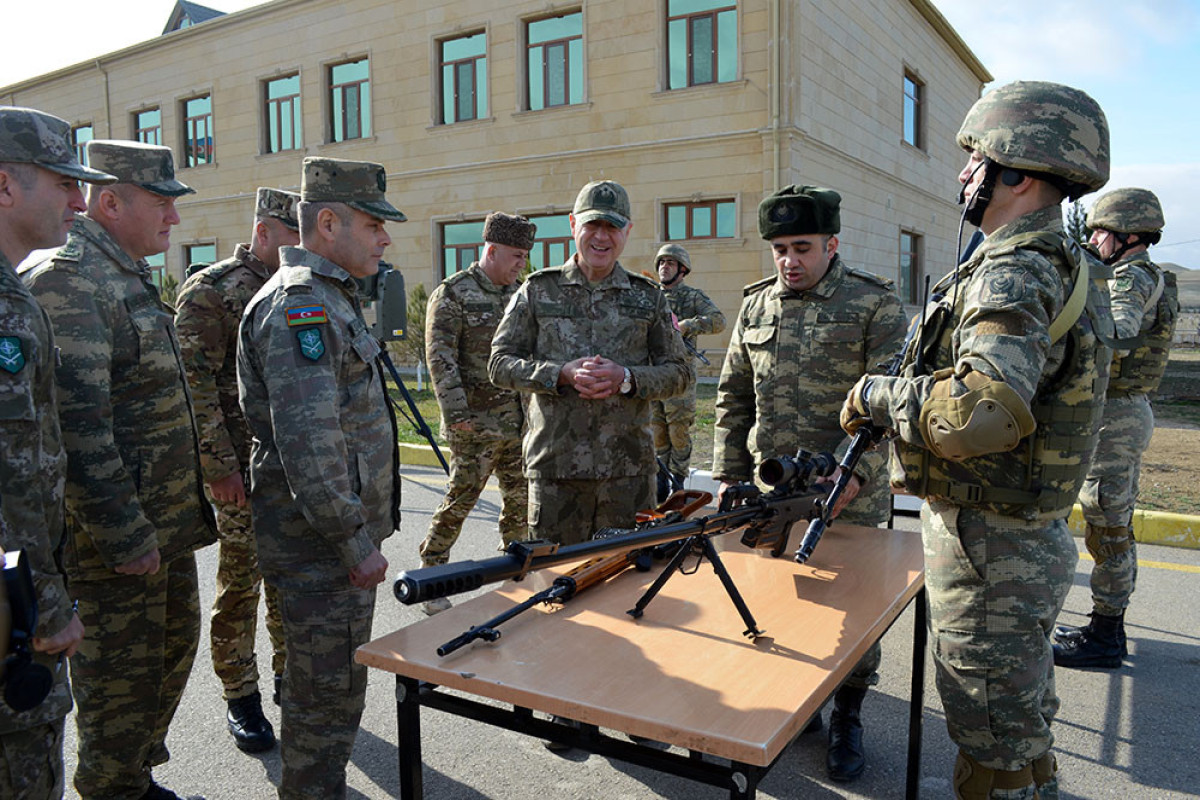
[1071, 252]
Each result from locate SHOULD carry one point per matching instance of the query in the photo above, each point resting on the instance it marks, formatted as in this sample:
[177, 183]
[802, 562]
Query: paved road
[1133, 733]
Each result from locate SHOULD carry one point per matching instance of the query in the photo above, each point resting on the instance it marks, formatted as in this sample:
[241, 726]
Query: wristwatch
[627, 383]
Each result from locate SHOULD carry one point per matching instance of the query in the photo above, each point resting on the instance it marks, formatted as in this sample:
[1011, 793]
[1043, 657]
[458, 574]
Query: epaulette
[541, 273]
[457, 277]
[214, 272]
[646, 279]
[758, 286]
[71, 251]
[1041, 241]
[296, 279]
[870, 277]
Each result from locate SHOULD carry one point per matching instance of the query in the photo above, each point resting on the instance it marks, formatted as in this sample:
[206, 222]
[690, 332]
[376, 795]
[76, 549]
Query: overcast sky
[1139, 58]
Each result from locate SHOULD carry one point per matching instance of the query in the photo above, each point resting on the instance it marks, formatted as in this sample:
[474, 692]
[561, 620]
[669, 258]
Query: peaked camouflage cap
[606, 200]
[1036, 126]
[277, 204]
[1126, 211]
[800, 211]
[29, 136]
[676, 252]
[358, 184]
[146, 165]
[509, 230]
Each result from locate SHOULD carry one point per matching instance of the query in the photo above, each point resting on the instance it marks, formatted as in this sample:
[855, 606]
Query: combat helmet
[1126, 211]
[676, 252]
[1048, 130]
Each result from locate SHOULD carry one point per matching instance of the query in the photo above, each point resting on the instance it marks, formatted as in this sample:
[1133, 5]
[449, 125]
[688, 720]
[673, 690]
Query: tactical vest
[1141, 369]
[1042, 475]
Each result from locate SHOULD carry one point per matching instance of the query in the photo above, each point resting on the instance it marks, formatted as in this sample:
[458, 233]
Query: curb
[1149, 527]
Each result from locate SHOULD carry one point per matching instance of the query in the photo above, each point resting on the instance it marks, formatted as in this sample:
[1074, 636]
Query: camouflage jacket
[792, 358]
[32, 470]
[556, 317]
[207, 313]
[461, 320]
[696, 313]
[133, 464]
[324, 464]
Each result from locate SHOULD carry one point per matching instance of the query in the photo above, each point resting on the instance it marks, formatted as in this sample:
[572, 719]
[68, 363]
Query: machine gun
[765, 519]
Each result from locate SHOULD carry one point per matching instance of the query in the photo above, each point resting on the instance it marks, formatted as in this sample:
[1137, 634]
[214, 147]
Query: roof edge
[943, 27]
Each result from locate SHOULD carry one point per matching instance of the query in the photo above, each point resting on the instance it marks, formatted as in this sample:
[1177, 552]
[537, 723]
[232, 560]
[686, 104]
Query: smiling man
[592, 345]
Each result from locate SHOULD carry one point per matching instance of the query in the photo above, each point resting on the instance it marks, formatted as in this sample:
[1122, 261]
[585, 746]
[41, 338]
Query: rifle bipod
[700, 544]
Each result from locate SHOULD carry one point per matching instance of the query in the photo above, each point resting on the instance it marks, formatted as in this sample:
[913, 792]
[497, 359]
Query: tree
[170, 289]
[1077, 227]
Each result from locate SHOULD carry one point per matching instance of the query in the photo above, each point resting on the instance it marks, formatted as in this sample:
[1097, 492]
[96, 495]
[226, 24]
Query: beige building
[698, 107]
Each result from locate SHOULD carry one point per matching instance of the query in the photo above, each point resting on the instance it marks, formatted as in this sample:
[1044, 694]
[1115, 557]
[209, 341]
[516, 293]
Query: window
[147, 126]
[464, 78]
[284, 128]
[706, 219]
[80, 136]
[914, 99]
[158, 268]
[462, 242]
[553, 244]
[701, 42]
[349, 101]
[910, 272]
[555, 61]
[203, 253]
[198, 131]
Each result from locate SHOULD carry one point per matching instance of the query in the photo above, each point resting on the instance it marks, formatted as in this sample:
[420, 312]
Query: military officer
[39, 196]
[136, 510]
[996, 411]
[694, 314]
[207, 313]
[481, 421]
[592, 345]
[1145, 307]
[324, 463]
[801, 340]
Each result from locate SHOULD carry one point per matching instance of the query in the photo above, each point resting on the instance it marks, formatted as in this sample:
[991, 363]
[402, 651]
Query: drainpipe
[108, 132]
[775, 75]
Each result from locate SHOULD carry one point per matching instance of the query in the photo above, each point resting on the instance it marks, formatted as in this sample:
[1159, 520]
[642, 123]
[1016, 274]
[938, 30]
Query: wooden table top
[683, 673]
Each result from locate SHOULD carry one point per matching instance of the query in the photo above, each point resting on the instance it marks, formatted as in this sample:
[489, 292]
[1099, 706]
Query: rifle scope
[800, 468]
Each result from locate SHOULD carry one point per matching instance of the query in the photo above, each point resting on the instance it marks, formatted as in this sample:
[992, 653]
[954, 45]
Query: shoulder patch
[306, 315]
[12, 354]
[870, 277]
[312, 346]
[757, 286]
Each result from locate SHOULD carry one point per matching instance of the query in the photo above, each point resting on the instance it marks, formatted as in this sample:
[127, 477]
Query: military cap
[358, 184]
[29, 136]
[799, 211]
[277, 204]
[676, 252]
[514, 231]
[604, 200]
[1126, 211]
[146, 165]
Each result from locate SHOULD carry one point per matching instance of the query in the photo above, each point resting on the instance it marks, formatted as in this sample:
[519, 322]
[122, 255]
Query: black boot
[1099, 644]
[252, 732]
[1065, 634]
[278, 689]
[662, 486]
[846, 759]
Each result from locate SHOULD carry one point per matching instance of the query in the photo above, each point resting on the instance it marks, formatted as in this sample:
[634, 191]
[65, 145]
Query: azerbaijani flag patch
[306, 315]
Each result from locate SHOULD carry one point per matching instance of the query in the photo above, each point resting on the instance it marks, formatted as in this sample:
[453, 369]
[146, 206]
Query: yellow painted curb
[1154, 527]
[420, 455]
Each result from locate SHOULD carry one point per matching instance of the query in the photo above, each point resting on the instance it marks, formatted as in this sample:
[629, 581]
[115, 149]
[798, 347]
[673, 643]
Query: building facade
[698, 107]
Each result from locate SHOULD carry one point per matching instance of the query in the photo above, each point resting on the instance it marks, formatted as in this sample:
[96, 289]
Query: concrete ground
[1130, 733]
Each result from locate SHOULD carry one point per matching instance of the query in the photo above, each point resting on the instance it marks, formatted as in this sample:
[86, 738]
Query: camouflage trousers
[235, 607]
[671, 423]
[1108, 496]
[570, 511]
[995, 585]
[31, 762]
[473, 458]
[141, 636]
[324, 690]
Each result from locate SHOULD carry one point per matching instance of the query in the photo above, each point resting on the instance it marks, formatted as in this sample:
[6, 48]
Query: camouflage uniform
[133, 485]
[207, 314]
[600, 447]
[325, 486]
[671, 419]
[462, 317]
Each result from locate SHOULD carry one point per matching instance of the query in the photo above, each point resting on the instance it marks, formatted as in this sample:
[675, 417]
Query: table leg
[916, 707]
[743, 780]
[408, 724]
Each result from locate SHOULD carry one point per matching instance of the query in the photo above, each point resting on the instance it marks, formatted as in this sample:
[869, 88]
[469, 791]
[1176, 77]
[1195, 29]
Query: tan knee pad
[1044, 769]
[973, 781]
[1102, 551]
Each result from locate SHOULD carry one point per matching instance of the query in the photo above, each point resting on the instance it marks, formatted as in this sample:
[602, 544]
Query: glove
[855, 411]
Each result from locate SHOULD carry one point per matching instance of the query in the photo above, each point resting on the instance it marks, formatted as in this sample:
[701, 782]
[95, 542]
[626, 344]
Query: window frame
[365, 126]
[689, 206]
[916, 101]
[529, 47]
[440, 71]
[690, 17]
[913, 277]
[81, 147]
[138, 130]
[186, 130]
[297, 115]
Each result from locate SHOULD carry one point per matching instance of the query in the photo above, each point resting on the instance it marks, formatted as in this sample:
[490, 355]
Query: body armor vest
[1141, 369]
[1042, 475]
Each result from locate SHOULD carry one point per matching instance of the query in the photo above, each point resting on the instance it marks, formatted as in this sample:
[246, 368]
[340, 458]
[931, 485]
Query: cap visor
[168, 188]
[80, 172]
[381, 209]
[614, 219]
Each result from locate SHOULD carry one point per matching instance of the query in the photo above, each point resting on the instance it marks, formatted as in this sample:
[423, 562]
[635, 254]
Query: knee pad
[973, 781]
[1102, 551]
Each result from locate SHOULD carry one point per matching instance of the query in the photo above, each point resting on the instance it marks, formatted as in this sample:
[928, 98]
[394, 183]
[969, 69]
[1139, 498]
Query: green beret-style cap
[799, 211]
[358, 184]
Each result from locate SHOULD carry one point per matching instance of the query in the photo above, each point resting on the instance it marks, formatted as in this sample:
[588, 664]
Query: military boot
[846, 759]
[278, 689]
[1098, 645]
[252, 732]
[1064, 634]
[156, 792]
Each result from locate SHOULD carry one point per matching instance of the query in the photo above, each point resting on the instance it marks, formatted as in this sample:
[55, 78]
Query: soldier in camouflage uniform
[996, 409]
[592, 345]
[136, 510]
[207, 314]
[1145, 306]
[324, 463]
[801, 340]
[482, 422]
[39, 181]
[694, 314]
